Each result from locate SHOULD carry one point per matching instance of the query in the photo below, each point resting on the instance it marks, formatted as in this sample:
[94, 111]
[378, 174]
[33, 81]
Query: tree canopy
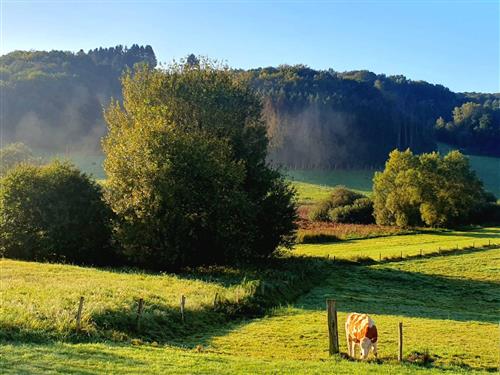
[427, 189]
[187, 171]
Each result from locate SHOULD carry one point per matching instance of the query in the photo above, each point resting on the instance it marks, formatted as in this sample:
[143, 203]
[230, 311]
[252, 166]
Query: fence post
[140, 306]
[79, 315]
[215, 299]
[333, 334]
[183, 303]
[400, 346]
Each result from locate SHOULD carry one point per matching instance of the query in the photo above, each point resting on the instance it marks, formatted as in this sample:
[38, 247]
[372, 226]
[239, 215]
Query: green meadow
[449, 305]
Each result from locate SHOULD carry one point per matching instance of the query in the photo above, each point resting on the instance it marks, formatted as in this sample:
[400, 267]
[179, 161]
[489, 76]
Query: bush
[53, 213]
[360, 212]
[344, 206]
[187, 171]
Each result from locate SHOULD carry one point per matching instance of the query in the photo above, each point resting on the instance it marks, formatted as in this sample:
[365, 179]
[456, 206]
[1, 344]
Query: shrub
[53, 213]
[360, 212]
[344, 206]
[187, 172]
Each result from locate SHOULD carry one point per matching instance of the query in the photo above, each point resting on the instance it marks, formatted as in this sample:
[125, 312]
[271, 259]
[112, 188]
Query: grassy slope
[453, 318]
[39, 301]
[408, 244]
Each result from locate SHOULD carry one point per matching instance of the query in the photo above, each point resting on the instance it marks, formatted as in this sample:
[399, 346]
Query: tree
[53, 213]
[187, 172]
[426, 189]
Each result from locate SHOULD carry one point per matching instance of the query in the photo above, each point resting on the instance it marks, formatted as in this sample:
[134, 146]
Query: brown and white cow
[360, 329]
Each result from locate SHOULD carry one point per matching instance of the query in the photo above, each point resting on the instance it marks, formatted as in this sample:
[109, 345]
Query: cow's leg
[348, 343]
[374, 348]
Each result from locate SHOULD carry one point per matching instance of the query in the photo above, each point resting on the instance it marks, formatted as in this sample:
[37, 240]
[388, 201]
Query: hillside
[316, 119]
[53, 100]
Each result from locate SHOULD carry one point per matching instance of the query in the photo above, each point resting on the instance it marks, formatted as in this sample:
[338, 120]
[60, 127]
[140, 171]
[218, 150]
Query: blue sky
[455, 43]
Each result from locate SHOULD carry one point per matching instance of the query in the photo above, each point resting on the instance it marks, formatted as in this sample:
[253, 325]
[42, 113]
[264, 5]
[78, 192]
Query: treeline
[474, 127]
[315, 118]
[54, 100]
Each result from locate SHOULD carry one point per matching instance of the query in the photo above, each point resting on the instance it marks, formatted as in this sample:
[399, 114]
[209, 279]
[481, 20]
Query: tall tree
[187, 175]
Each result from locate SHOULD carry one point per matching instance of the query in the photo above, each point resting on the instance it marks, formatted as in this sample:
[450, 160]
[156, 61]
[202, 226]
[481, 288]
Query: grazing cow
[360, 329]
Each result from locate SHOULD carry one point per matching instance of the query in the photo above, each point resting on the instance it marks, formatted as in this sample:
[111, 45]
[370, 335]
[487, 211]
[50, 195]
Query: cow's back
[359, 326]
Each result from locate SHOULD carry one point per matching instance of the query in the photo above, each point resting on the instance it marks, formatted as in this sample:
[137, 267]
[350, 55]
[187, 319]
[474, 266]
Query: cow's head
[365, 345]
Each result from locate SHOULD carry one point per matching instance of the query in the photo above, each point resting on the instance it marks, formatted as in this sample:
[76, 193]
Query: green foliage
[343, 206]
[14, 154]
[427, 189]
[473, 126]
[53, 213]
[359, 212]
[187, 177]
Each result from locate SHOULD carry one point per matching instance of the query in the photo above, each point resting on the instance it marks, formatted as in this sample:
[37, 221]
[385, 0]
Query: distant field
[408, 245]
[314, 185]
[359, 180]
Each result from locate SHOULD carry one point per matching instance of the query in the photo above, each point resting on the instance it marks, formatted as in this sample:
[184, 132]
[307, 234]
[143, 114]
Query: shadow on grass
[384, 290]
[68, 359]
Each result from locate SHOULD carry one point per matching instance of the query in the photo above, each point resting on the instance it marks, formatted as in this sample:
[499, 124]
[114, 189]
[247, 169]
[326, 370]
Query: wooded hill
[316, 119]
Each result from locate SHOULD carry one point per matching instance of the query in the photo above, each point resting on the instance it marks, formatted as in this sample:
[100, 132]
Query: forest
[316, 119]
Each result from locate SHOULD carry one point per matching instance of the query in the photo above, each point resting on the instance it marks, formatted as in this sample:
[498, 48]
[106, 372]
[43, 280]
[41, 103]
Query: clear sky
[455, 43]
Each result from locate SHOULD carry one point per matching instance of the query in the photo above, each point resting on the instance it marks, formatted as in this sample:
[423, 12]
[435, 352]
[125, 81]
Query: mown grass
[87, 359]
[450, 317]
[407, 245]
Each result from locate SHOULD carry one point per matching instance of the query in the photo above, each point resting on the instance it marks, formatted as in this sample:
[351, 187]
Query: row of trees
[188, 182]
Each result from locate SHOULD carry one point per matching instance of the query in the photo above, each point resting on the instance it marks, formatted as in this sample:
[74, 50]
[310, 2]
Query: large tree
[427, 189]
[187, 173]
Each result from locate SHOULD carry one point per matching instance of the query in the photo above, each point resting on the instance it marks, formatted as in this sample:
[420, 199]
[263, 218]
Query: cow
[360, 329]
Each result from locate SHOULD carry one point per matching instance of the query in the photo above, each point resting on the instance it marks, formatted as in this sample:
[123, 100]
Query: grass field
[408, 245]
[452, 318]
[449, 306]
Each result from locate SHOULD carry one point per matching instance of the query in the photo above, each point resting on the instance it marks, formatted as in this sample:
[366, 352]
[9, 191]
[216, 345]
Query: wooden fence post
[333, 334]
[140, 307]
[183, 303]
[215, 299]
[400, 346]
[79, 315]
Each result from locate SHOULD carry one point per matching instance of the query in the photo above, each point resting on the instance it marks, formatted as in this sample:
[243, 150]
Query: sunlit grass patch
[407, 245]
